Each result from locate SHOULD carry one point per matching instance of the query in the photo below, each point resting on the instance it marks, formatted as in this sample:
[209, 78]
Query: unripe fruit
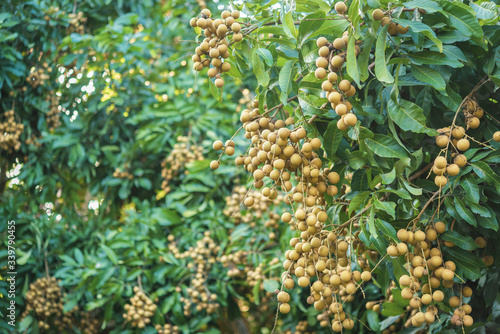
[385, 21]
[378, 14]
[402, 30]
[340, 7]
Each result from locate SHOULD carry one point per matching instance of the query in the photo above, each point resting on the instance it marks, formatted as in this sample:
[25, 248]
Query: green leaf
[110, 253]
[469, 184]
[428, 58]
[357, 201]
[390, 309]
[419, 27]
[489, 222]
[486, 173]
[385, 146]
[462, 241]
[271, 285]
[389, 177]
[335, 26]
[409, 117]
[285, 80]
[468, 262]
[429, 75]
[381, 71]
[388, 207]
[357, 159]
[259, 69]
[461, 19]
[331, 139]
[352, 63]
[288, 24]
[464, 212]
[310, 24]
[387, 229]
[427, 5]
[78, 256]
[485, 11]
[364, 56]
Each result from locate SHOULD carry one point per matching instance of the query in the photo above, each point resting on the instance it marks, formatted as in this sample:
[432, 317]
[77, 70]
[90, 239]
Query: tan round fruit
[340, 7]
[438, 296]
[283, 297]
[467, 292]
[452, 170]
[448, 275]
[322, 62]
[481, 242]
[350, 120]
[440, 162]
[440, 227]
[463, 144]
[442, 141]
[214, 164]
[324, 51]
[454, 301]
[345, 85]
[440, 180]
[285, 308]
[474, 123]
[339, 44]
[322, 41]
[378, 14]
[460, 160]
[320, 73]
[392, 251]
[496, 136]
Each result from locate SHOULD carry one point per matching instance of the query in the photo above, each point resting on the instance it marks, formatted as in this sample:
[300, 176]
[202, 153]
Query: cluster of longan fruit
[182, 154]
[76, 23]
[52, 117]
[10, 131]
[428, 275]
[245, 101]
[119, 174]
[39, 75]
[300, 328]
[89, 324]
[332, 57]
[261, 208]
[394, 28]
[167, 329]
[215, 47]
[202, 257]
[140, 310]
[45, 300]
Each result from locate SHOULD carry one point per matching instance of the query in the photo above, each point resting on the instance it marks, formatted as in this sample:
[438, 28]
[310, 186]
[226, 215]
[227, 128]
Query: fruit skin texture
[378, 14]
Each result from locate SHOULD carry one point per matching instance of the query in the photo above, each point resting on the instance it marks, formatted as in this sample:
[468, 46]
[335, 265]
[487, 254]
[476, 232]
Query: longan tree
[378, 123]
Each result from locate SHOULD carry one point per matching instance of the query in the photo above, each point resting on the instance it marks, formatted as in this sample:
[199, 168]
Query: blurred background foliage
[105, 95]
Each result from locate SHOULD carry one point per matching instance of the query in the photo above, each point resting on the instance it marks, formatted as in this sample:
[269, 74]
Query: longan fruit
[337, 326]
[438, 296]
[322, 41]
[322, 62]
[405, 280]
[402, 248]
[225, 67]
[337, 61]
[393, 29]
[303, 281]
[332, 77]
[236, 27]
[438, 171]
[448, 275]
[474, 123]
[467, 292]
[324, 51]
[452, 170]
[341, 125]
[454, 301]
[419, 235]
[440, 162]
[463, 144]
[402, 235]
[366, 276]
[378, 14]
[219, 83]
[468, 321]
[326, 86]
[283, 297]
[442, 141]
[285, 308]
[460, 160]
[345, 85]
[249, 201]
[214, 164]
[339, 43]
[217, 145]
[320, 73]
[229, 151]
[341, 109]
[385, 21]
[392, 251]
[440, 180]
[481, 242]
[403, 30]
[350, 120]
[488, 260]
[340, 7]
[496, 136]
[406, 293]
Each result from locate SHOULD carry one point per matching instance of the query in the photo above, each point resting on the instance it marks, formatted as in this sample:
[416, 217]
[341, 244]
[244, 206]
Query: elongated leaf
[468, 262]
[464, 212]
[489, 222]
[310, 24]
[387, 229]
[428, 58]
[352, 63]
[334, 27]
[485, 11]
[388, 207]
[462, 241]
[288, 24]
[364, 56]
[285, 80]
[259, 69]
[332, 139]
[357, 201]
[424, 29]
[427, 5]
[381, 71]
[469, 184]
[409, 117]
[392, 310]
[429, 75]
[461, 19]
[486, 173]
[385, 146]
